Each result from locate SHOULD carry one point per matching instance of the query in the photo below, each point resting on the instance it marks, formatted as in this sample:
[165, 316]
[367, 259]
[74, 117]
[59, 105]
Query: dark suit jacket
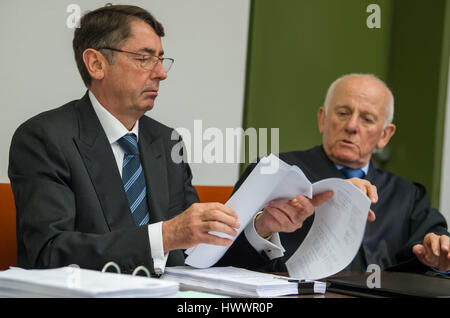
[403, 218]
[71, 206]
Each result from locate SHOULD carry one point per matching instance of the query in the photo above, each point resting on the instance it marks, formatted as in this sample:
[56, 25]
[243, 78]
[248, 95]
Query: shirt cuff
[272, 248]
[157, 248]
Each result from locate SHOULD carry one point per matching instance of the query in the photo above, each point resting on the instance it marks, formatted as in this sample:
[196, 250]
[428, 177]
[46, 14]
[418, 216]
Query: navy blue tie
[352, 173]
[134, 180]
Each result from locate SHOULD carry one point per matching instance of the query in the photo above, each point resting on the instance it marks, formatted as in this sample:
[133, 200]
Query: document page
[271, 179]
[336, 233]
[230, 275]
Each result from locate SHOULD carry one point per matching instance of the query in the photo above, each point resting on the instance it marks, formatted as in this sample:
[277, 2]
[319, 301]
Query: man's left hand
[368, 189]
[434, 251]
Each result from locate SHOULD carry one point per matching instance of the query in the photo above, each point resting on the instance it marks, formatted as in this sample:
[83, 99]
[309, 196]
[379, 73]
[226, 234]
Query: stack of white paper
[76, 282]
[236, 281]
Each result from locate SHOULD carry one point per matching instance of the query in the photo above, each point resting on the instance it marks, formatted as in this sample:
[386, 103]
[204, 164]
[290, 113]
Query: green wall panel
[298, 47]
[418, 67]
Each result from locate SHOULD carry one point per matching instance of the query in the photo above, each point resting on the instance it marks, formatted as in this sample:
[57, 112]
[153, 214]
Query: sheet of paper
[270, 179]
[237, 281]
[336, 233]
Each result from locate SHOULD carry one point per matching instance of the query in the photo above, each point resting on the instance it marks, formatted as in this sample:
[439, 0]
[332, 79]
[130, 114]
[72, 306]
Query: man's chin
[147, 105]
[348, 160]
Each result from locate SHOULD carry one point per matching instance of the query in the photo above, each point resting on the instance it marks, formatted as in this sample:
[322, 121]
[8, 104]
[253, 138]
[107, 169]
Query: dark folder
[392, 284]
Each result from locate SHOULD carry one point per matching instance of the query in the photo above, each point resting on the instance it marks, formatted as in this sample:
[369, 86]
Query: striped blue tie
[134, 180]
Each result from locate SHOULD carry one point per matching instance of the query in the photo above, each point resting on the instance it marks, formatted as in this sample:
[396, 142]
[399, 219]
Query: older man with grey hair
[355, 120]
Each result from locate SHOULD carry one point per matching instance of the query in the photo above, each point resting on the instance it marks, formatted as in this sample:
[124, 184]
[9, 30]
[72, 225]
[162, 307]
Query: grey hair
[389, 106]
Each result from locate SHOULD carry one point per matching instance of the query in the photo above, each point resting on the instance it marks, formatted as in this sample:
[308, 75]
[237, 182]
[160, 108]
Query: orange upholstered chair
[8, 241]
[214, 193]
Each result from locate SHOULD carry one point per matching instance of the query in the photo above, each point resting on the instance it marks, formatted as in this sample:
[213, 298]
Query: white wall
[207, 38]
[445, 174]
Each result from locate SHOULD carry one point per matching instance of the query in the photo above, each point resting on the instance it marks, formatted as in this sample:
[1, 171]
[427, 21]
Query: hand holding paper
[194, 226]
[288, 216]
[368, 189]
[336, 233]
[339, 221]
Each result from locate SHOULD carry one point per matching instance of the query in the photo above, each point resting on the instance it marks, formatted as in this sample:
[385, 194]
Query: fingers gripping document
[270, 179]
[334, 237]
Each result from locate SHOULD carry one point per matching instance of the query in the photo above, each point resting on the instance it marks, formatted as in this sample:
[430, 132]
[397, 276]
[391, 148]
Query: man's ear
[386, 135]
[95, 63]
[321, 118]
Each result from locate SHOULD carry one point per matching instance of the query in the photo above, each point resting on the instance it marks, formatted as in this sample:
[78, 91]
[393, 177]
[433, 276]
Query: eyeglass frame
[143, 56]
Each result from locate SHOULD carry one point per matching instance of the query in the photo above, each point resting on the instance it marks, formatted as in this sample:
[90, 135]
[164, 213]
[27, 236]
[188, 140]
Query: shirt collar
[113, 128]
[365, 169]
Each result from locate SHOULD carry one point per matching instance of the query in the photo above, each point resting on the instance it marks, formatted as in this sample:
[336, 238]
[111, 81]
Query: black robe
[403, 217]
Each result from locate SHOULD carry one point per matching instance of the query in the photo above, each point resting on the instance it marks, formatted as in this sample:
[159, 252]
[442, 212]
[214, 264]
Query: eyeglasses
[147, 61]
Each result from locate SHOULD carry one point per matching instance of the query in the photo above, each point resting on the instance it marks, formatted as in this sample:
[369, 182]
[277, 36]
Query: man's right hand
[192, 227]
[288, 216]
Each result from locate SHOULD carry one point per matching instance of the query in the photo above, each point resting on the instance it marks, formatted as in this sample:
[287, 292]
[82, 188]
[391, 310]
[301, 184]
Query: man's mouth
[153, 92]
[348, 142]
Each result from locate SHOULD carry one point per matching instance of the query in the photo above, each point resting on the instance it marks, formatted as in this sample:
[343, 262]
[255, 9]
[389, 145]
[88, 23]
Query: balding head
[356, 119]
[364, 77]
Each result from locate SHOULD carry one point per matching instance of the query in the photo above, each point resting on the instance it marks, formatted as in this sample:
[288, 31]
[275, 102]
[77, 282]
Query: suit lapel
[98, 158]
[317, 165]
[153, 162]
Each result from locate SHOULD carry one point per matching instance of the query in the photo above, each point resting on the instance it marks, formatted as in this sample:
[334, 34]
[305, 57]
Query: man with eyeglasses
[94, 180]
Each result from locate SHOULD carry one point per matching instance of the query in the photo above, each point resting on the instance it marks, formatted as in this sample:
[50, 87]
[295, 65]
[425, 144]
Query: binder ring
[113, 264]
[141, 268]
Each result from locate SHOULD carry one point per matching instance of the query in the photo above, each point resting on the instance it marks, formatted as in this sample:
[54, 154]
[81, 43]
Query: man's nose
[352, 124]
[159, 72]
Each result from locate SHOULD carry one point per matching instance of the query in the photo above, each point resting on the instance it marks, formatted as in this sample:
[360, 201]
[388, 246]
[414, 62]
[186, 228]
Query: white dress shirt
[271, 247]
[115, 130]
